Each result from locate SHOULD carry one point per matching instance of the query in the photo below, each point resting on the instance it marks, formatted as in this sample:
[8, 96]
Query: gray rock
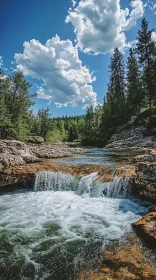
[133, 137]
[14, 153]
[35, 139]
[54, 151]
[145, 182]
[143, 158]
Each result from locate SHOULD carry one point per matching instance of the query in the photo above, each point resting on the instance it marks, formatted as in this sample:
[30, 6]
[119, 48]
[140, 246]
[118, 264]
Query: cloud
[100, 25]
[136, 13]
[64, 79]
[154, 36]
[1, 61]
[73, 3]
[151, 5]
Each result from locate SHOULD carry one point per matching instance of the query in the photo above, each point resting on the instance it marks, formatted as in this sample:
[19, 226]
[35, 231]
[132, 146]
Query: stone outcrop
[15, 181]
[54, 151]
[35, 139]
[134, 137]
[14, 153]
[145, 182]
[146, 228]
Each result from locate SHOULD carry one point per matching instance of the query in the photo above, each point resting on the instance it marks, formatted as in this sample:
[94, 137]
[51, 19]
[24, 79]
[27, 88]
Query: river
[55, 229]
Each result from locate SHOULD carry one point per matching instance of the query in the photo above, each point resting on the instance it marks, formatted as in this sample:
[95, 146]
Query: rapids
[50, 232]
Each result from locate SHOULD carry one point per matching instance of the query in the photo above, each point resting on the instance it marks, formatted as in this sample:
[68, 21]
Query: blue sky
[67, 46]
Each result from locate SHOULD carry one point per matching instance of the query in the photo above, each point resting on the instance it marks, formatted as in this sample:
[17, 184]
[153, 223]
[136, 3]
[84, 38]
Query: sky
[63, 47]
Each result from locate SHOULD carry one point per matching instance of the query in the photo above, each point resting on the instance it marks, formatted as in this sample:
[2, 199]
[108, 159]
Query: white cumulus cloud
[100, 25]
[154, 36]
[65, 81]
[1, 61]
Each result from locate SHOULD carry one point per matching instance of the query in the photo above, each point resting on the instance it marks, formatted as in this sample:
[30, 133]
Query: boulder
[145, 182]
[54, 151]
[1, 167]
[35, 139]
[13, 153]
[142, 158]
[146, 228]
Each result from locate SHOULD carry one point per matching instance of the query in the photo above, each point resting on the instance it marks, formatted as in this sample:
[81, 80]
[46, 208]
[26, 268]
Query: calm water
[94, 156]
[53, 230]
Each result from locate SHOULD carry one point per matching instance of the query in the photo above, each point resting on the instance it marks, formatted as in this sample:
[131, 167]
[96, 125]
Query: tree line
[131, 91]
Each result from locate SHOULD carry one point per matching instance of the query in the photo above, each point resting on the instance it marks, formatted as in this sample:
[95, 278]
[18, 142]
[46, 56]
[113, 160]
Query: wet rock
[142, 158]
[1, 167]
[35, 139]
[152, 208]
[14, 181]
[145, 181]
[128, 260]
[146, 228]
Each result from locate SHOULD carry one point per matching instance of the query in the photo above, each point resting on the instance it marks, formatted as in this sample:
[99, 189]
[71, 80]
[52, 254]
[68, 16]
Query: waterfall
[57, 181]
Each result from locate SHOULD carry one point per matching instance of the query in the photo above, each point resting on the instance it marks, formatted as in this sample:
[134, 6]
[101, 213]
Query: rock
[126, 260]
[133, 137]
[142, 158]
[146, 228]
[145, 182]
[54, 151]
[152, 208]
[15, 153]
[1, 167]
[35, 139]
[14, 181]
[8, 160]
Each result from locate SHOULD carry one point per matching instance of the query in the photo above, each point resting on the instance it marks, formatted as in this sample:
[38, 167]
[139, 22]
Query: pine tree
[116, 88]
[145, 49]
[44, 122]
[134, 85]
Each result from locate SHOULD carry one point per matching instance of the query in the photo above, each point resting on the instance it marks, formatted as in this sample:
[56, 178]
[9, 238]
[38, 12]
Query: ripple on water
[50, 235]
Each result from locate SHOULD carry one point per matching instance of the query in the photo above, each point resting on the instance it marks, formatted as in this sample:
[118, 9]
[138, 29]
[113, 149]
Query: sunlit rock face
[146, 228]
[14, 153]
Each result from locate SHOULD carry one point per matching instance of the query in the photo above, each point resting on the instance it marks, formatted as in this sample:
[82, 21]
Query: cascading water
[53, 181]
[51, 232]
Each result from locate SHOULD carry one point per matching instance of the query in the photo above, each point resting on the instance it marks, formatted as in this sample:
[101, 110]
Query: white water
[57, 181]
[57, 212]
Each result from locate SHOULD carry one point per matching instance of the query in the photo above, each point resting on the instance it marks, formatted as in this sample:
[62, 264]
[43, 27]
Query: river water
[51, 231]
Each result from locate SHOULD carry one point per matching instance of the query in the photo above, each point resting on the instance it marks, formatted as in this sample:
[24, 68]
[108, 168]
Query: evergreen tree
[116, 89]
[145, 49]
[44, 122]
[134, 85]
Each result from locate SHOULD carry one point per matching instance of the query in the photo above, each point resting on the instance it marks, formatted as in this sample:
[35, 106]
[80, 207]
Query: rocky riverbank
[139, 137]
[15, 153]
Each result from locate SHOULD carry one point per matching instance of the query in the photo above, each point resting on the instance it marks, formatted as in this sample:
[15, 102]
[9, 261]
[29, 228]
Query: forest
[130, 100]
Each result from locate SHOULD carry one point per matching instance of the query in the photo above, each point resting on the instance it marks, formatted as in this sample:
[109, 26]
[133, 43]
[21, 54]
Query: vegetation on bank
[130, 100]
